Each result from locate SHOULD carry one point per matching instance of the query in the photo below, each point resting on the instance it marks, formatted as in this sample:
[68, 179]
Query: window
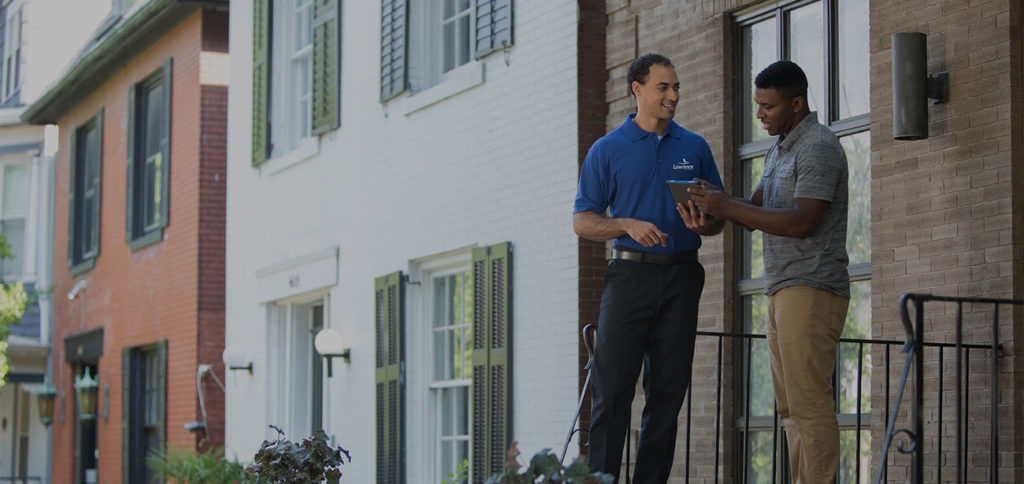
[84, 198]
[443, 35]
[11, 81]
[148, 160]
[296, 74]
[296, 367]
[144, 403]
[460, 383]
[13, 212]
[834, 55]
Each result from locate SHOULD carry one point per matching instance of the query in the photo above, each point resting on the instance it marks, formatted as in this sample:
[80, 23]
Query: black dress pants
[648, 318]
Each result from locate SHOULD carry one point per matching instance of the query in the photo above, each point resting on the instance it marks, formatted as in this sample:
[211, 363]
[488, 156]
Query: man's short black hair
[641, 68]
[784, 76]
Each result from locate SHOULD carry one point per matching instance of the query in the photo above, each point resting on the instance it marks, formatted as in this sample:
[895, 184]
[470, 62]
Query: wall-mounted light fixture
[86, 388]
[234, 359]
[77, 288]
[46, 394]
[912, 86]
[328, 343]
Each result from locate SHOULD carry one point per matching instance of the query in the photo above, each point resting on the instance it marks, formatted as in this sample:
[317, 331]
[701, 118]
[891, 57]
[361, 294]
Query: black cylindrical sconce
[912, 86]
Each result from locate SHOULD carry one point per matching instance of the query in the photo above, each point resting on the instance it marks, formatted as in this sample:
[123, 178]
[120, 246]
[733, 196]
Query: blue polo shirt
[627, 169]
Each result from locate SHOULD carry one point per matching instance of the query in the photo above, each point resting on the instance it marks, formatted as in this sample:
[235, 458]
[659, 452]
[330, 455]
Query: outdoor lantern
[328, 343]
[46, 394]
[912, 86]
[234, 359]
[86, 388]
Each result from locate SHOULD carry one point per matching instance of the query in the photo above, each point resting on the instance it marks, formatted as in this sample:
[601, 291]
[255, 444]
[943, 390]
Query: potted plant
[312, 460]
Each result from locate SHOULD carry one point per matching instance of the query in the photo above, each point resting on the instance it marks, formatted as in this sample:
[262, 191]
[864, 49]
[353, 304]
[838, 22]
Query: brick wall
[143, 297]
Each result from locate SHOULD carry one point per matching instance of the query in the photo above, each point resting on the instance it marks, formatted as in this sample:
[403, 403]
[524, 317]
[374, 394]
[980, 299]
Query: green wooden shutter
[493, 26]
[492, 363]
[127, 355]
[393, 52]
[326, 65]
[75, 156]
[97, 156]
[129, 210]
[165, 142]
[260, 80]
[389, 322]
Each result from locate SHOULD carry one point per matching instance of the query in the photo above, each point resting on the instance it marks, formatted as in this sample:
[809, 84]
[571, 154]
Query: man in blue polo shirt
[653, 282]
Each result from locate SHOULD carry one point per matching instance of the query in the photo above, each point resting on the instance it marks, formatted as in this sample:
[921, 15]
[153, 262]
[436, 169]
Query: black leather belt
[650, 258]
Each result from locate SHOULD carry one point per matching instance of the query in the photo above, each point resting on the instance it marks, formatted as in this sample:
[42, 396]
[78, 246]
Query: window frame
[13, 41]
[82, 254]
[749, 288]
[283, 318]
[27, 242]
[139, 231]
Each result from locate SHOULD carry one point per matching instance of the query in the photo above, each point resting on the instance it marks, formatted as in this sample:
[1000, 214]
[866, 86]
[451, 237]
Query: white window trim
[460, 80]
[306, 149]
[285, 110]
[422, 458]
[14, 7]
[428, 85]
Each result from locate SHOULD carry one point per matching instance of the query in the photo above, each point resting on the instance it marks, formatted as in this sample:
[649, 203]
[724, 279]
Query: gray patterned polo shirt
[808, 163]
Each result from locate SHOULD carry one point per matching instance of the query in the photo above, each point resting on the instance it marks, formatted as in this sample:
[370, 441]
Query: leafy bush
[312, 460]
[545, 467]
[186, 467]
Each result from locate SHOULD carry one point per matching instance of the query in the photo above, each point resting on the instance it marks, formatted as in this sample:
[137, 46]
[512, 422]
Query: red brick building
[140, 216]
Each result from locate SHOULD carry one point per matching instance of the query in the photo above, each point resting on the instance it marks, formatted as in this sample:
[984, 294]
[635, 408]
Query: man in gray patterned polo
[800, 206]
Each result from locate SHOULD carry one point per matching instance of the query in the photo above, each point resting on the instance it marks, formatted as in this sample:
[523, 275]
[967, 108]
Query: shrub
[545, 467]
[186, 467]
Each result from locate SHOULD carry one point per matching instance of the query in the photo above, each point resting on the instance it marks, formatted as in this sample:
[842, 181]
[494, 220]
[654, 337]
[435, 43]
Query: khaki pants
[804, 325]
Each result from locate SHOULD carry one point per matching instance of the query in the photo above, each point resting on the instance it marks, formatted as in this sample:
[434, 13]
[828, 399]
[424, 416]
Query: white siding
[495, 163]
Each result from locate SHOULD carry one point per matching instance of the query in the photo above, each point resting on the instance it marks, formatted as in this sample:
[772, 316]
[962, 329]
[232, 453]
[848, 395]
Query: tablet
[679, 192]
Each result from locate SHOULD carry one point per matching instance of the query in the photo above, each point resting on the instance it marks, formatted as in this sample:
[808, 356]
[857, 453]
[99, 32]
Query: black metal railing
[20, 479]
[737, 455]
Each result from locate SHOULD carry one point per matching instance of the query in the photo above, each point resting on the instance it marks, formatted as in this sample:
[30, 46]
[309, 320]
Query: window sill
[83, 267]
[146, 240]
[307, 148]
[460, 81]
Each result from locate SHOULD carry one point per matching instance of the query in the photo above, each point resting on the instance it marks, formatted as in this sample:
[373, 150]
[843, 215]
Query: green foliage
[545, 467]
[312, 460]
[185, 467]
[461, 474]
[13, 300]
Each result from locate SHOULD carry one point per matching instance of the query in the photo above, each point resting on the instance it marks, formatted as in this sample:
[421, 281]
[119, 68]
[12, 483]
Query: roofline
[127, 40]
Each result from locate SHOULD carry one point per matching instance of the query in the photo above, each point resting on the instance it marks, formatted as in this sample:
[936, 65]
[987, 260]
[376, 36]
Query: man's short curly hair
[641, 68]
[784, 76]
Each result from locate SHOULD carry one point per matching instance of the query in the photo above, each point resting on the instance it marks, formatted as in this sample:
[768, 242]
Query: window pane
[14, 231]
[448, 43]
[753, 260]
[807, 48]
[858, 229]
[858, 326]
[759, 462]
[15, 197]
[154, 114]
[762, 397]
[853, 58]
[759, 46]
[849, 458]
[464, 39]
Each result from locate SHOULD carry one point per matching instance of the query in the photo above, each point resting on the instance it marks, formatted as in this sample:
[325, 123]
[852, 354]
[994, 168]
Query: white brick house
[479, 155]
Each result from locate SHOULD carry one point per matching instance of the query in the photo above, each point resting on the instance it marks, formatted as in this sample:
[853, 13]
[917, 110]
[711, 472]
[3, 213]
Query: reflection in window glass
[858, 226]
[452, 330]
[759, 50]
[849, 459]
[806, 48]
[853, 58]
[753, 260]
[759, 461]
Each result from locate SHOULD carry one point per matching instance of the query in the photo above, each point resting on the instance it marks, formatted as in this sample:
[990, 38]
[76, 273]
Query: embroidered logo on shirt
[682, 165]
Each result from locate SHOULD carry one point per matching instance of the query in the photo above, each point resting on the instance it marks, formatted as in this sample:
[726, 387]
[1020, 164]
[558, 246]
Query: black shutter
[76, 156]
[161, 397]
[493, 26]
[165, 142]
[260, 80]
[96, 156]
[127, 357]
[389, 321]
[326, 65]
[393, 52]
[492, 359]
[133, 132]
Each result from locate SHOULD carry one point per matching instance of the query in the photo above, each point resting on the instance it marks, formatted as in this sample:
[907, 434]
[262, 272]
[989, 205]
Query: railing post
[917, 458]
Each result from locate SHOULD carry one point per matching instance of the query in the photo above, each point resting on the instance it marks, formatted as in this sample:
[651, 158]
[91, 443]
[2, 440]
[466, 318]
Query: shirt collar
[799, 131]
[635, 133]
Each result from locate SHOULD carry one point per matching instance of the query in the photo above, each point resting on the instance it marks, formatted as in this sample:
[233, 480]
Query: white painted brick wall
[494, 163]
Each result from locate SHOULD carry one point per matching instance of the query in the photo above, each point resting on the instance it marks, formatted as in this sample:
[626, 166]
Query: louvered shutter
[95, 156]
[393, 52]
[493, 26]
[165, 142]
[326, 65]
[161, 396]
[389, 324]
[129, 211]
[76, 154]
[126, 408]
[492, 371]
[260, 79]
